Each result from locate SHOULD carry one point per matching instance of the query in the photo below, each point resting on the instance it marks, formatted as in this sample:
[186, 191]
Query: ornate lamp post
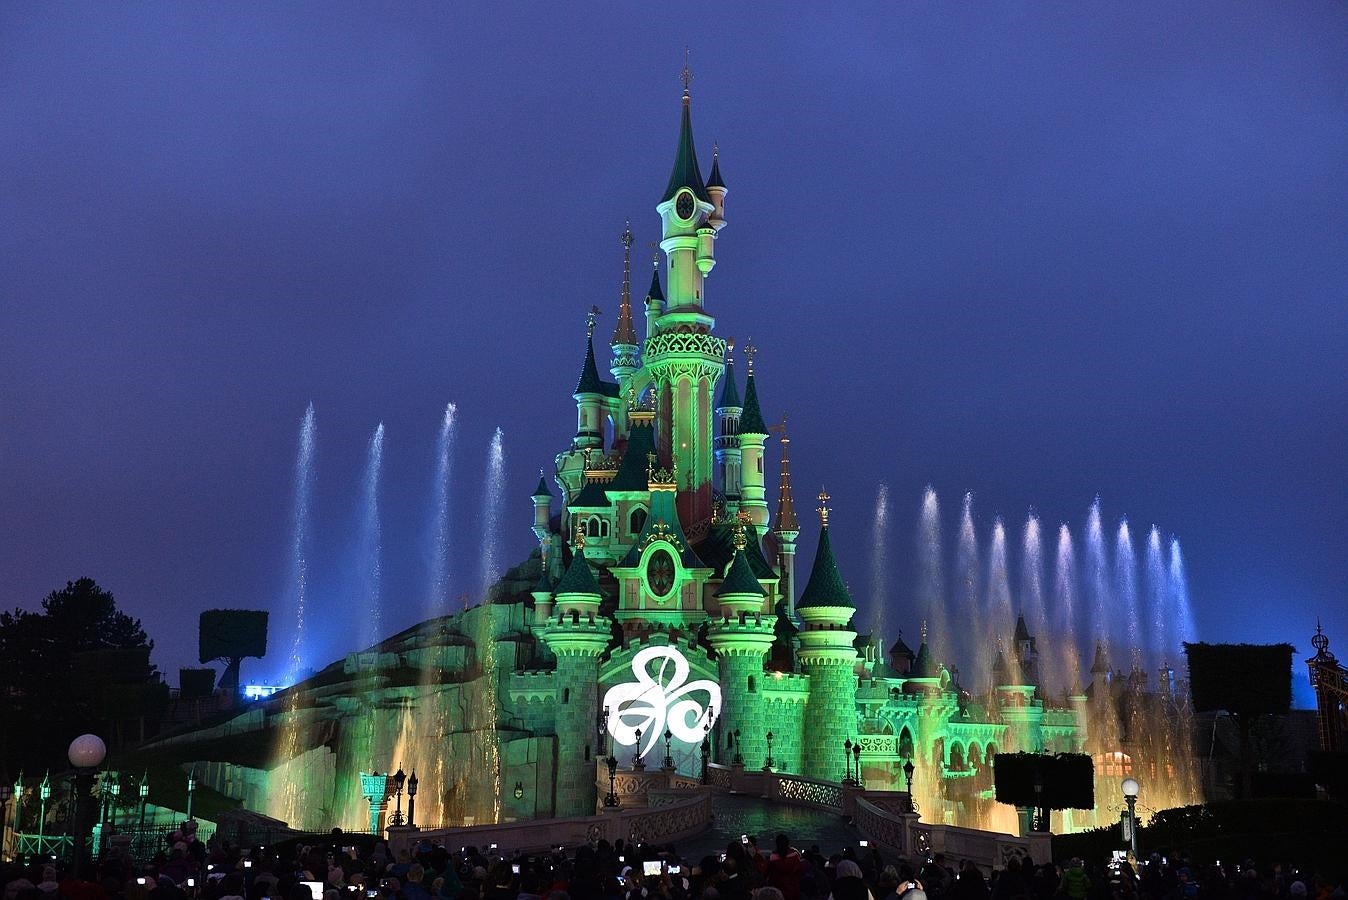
[191, 786]
[611, 801]
[847, 760]
[86, 754]
[601, 729]
[116, 789]
[1130, 788]
[143, 791]
[856, 752]
[412, 799]
[738, 760]
[637, 764]
[767, 764]
[399, 779]
[908, 768]
[44, 794]
[669, 757]
[706, 754]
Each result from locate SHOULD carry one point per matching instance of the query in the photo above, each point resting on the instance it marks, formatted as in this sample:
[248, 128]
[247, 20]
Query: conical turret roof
[924, 666]
[589, 381]
[578, 579]
[542, 489]
[826, 586]
[714, 180]
[730, 393]
[656, 292]
[751, 420]
[686, 172]
[1001, 673]
[740, 578]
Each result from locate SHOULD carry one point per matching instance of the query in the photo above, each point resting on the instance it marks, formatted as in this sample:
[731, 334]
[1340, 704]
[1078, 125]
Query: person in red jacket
[785, 869]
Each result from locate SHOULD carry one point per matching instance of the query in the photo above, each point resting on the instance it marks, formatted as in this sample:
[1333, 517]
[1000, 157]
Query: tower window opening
[566, 695]
[587, 752]
[592, 527]
[753, 685]
[636, 521]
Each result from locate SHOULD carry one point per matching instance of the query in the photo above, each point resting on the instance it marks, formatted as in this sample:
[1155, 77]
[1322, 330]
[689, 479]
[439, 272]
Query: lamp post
[44, 794]
[399, 779]
[856, 752]
[144, 793]
[86, 754]
[412, 799]
[847, 760]
[669, 756]
[116, 789]
[191, 786]
[706, 754]
[767, 764]
[637, 764]
[1130, 788]
[738, 760]
[611, 801]
[601, 727]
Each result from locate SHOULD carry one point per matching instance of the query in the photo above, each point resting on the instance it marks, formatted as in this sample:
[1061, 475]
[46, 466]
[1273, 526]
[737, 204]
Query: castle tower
[752, 436]
[827, 656]
[742, 638]
[728, 411]
[577, 636]
[589, 395]
[682, 357]
[542, 509]
[786, 526]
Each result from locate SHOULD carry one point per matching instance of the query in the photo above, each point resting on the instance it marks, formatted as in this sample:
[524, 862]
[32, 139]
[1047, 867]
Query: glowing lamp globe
[1130, 787]
[87, 751]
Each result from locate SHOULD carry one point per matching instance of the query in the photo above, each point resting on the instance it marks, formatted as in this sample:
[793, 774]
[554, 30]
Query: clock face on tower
[684, 205]
[660, 573]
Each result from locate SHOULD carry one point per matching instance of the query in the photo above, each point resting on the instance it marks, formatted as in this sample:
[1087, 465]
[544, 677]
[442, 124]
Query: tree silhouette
[80, 664]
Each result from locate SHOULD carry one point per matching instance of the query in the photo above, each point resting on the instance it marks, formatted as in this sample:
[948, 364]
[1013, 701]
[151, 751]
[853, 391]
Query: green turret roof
[686, 172]
[542, 489]
[751, 420]
[656, 292]
[715, 179]
[591, 496]
[1022, 632]
[730, 394]
[632, 470]
[825, 587]
[740, 579]
[578, 578]
[717, 549]
[590, 382]
[923, 665]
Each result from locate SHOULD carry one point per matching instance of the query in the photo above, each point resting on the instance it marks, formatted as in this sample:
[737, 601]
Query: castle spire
[624, 333]
[686, 172]
[786, 507]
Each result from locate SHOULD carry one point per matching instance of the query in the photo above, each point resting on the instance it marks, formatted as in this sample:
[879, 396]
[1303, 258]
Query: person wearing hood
[849, 885]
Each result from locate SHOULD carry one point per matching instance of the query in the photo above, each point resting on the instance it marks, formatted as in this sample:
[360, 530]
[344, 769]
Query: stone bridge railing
[672, 816]
[883, 817]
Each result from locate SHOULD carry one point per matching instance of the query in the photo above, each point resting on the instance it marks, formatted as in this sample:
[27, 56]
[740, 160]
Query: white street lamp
[1130, 787]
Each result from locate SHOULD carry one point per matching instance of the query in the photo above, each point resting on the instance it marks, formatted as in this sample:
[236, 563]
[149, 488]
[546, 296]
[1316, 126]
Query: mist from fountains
[880, 561]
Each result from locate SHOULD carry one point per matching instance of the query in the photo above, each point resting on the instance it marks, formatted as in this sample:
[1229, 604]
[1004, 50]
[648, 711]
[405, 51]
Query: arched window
[753, 684]
[636, 521]
[566, 695]
[592, 527]
[906, 743]
[956, 757]
[603, 527]
[975, 756]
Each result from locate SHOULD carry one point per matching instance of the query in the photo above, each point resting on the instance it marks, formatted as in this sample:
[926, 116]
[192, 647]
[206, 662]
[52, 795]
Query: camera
[142, 880]
[515, 868]
[191, 882]
[650, 867]
[864, 843]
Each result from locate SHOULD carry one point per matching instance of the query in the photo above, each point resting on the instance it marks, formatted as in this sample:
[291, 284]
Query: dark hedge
[1068, 780]
[1244, 679]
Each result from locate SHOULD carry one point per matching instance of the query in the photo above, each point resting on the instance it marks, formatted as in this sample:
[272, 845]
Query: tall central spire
[786, 507]
[686, 172]
[625, 333]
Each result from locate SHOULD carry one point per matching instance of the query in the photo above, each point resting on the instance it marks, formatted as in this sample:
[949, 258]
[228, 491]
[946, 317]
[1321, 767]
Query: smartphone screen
[514, 867]
[315, 889]
[650, 867]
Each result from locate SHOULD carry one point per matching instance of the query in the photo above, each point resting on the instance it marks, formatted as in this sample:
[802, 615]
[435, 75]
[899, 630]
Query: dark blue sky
[1037, 252]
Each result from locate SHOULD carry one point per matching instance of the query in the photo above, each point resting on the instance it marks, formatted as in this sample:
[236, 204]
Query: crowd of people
[346, 868]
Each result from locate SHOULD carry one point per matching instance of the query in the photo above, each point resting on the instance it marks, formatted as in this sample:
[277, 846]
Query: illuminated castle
[660, 611]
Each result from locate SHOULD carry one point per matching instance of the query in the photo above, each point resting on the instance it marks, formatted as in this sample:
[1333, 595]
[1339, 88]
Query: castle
[661, 617]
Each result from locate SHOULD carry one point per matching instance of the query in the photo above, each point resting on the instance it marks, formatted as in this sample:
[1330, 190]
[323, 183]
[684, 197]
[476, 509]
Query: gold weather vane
[687, 74]
[740, 541]
[590, 319]
[750, 351]
[823, 509]
[579, 542]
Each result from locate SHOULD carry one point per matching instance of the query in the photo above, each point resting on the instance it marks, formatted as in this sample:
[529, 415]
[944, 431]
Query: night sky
[1036, 252]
